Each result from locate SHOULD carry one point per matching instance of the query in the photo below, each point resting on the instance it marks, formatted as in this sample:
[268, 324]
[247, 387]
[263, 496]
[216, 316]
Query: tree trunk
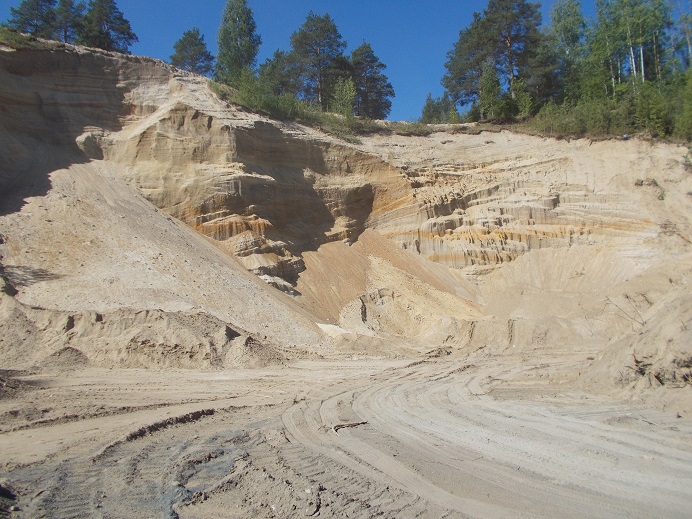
[510, 63]
[610, 65]
[633, 61]
[611, 68]
[319, 77]
[612, 75]
[641, 61]
[657, 58]
[688, 35]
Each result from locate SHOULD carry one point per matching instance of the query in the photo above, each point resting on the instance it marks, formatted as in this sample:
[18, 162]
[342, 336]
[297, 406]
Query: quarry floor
[467, 437]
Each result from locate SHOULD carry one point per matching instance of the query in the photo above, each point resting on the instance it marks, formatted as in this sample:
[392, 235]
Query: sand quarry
[205, 312]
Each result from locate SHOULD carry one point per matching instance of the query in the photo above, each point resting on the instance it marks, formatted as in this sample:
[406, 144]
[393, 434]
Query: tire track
[438, 442]
[536, 454]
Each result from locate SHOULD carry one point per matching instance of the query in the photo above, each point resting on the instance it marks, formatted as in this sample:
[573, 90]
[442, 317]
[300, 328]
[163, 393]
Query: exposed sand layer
[205, 312]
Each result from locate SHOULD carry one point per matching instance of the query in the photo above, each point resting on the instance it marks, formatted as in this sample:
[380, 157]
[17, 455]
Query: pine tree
[547, 75]
[280, 74]
[340, 69]
[36, 17]
[317, 46]
[464, 65]
[238, 42]
[105, 27]
[373, 90]
[431, 113]
[507, 35]
[191, 53]
[69, 18]
[513, 26]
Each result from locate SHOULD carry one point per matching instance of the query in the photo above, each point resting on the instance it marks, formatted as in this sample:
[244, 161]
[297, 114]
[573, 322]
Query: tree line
[625, 70]
[628, 69]
[97, 24]
[315, 69]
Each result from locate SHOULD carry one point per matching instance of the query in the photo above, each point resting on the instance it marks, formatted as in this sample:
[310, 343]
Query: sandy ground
[471, 437]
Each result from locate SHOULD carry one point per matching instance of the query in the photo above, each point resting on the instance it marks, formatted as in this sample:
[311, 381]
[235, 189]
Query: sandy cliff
[131, 192]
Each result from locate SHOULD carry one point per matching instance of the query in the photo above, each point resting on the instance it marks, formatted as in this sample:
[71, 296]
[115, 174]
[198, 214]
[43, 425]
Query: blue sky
[411, 37]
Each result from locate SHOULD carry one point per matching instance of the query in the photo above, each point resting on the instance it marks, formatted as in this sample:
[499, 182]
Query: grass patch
[16, 40]
[287, 107]
[411, 129]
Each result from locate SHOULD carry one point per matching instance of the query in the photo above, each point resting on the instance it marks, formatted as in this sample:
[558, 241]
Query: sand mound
[65, 359]
[250, 353]
[10, 386]
[653, 362]
[126, 338]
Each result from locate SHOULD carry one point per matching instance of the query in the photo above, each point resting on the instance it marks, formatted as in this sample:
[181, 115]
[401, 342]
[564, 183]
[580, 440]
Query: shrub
[411, 129]
[682, 108]
[651, 112]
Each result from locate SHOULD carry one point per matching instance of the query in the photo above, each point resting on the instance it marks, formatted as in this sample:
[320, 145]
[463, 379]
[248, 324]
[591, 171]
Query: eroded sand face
[204, 312]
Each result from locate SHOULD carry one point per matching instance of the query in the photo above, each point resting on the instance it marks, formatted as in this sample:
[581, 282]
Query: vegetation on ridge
[238, 42]
[99, 24]
[624, 72]
[191, 53]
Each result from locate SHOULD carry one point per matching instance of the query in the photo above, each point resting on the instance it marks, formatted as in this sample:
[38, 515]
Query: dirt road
[471, 437]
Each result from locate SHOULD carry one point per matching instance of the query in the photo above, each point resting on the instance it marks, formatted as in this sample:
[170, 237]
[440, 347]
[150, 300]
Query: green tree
[238, 42]
[191, 53]
[344, 97]
[507, 35]
[626, 44]
[565, 41]
[36, 17]
[439, 110]
[340, 69]
[316, 47]
[490, 90]
[105, 27]
[601, 70]
[513, 26]
[280, 74]
[651, 112]
[683, 123]
[462, 81]
[568, 25]
[546, 76]
[373, 89]
[683, 34]
[69, 19]
[524, 102]
[431, 111]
